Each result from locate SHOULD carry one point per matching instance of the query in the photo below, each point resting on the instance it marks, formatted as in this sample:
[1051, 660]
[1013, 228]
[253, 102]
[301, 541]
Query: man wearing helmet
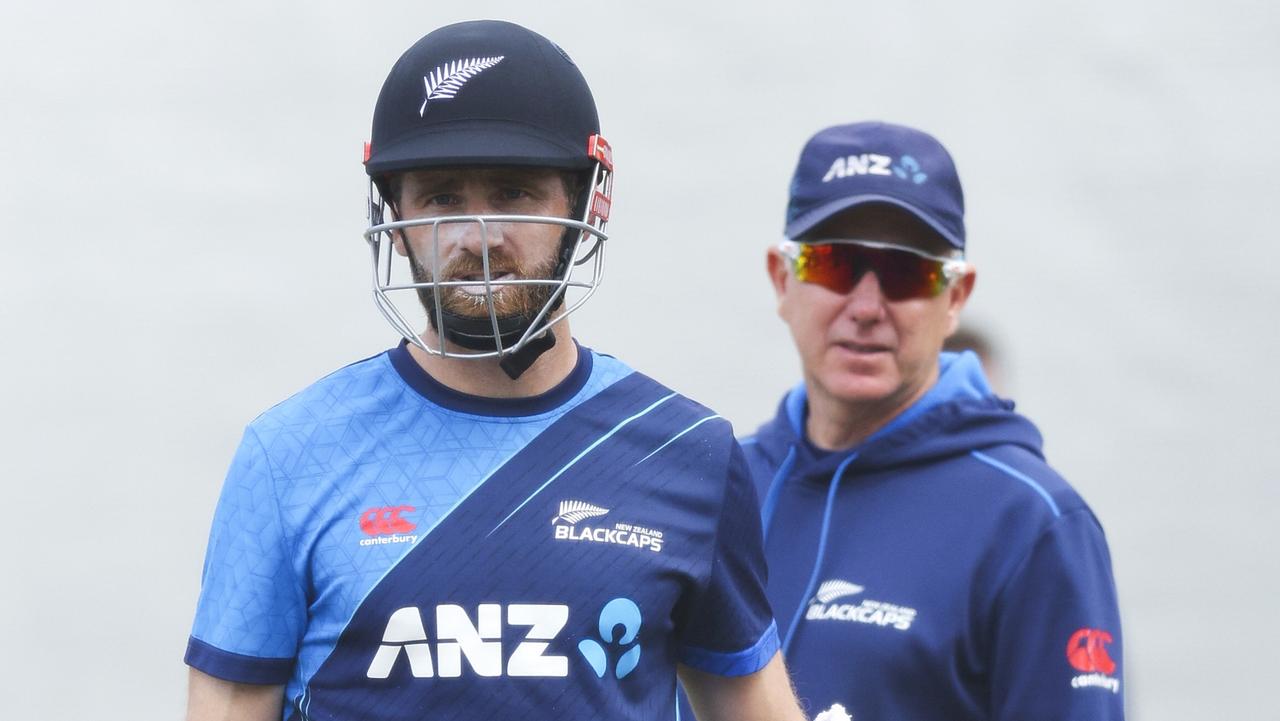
[487, 521]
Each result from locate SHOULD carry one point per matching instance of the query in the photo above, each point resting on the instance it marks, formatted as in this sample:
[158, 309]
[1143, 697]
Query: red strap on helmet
[598, 148]
[600, 206]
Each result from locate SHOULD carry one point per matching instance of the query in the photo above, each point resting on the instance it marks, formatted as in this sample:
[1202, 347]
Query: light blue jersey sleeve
[252, 610]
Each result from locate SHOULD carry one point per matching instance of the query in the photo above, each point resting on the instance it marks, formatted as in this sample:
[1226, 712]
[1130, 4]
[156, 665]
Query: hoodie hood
[958, 415]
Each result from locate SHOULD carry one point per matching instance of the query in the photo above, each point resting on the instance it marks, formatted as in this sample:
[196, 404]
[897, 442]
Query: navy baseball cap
[850, 165]
[484, 92]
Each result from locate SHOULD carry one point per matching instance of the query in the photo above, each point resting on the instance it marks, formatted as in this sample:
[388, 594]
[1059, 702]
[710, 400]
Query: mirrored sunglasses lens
[825, 264]
[838, 267]
[905, 275]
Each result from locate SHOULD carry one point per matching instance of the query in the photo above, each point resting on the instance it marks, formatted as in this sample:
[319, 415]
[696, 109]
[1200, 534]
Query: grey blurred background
[183, 200]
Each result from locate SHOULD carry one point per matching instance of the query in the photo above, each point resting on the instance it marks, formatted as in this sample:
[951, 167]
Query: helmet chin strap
[515, 364]
[477, 334]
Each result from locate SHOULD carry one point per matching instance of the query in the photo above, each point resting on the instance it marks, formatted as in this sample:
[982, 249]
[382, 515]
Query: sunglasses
[838, 265]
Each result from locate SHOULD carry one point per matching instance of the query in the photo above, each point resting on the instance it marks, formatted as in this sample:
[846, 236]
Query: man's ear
[397, 236]
[776, 265]
[957, 295]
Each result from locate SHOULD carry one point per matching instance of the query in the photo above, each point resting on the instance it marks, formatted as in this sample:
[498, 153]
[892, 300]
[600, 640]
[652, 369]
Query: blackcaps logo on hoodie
[823, 607]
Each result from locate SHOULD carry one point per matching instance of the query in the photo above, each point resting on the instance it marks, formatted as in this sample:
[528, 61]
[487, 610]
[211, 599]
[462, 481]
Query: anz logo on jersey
[481, 643]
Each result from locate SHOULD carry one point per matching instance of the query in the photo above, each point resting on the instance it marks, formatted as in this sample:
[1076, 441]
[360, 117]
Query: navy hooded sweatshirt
[938, 570]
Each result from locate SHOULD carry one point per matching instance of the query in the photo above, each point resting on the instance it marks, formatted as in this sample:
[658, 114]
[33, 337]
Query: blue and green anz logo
[905, 168]
[461, 639]
[619, 625]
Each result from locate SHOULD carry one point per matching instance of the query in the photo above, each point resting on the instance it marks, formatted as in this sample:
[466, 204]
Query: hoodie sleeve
[1057, 645]
[729, 630]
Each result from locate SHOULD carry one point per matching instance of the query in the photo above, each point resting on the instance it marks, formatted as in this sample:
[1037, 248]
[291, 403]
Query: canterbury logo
[574, 511]
[831, 590]
[1087, 651]
[383, 521]
[445, 81]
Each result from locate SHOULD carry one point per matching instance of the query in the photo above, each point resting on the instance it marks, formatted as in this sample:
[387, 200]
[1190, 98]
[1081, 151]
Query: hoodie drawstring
[822, 545]
[771, 496]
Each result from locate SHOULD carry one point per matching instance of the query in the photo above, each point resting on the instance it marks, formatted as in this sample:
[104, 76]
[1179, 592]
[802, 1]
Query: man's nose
[865, 302]
[474, 236]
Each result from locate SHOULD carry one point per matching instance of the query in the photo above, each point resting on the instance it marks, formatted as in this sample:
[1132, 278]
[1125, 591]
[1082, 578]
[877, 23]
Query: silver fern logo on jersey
[827, 605]
[573, 523]
[573, 511]
[444, 82]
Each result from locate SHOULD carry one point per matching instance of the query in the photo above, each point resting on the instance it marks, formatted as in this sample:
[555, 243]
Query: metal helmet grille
[398, 293]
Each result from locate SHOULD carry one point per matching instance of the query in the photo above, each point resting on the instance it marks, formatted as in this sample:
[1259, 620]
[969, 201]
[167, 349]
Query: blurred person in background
[926, 563]
[974, 338]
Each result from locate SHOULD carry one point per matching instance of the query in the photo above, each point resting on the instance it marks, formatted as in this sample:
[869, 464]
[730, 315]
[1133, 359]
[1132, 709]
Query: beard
[509, 301]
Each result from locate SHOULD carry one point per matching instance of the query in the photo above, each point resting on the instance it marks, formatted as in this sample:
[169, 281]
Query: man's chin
[867, 392]
[861, 383]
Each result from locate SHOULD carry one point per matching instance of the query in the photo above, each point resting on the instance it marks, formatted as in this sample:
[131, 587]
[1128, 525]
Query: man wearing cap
[925, 561]
[488, 521]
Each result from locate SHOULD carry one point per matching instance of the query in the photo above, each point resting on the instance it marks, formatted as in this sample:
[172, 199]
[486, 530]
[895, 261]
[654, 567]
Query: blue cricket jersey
[388, 548]
[938, 571]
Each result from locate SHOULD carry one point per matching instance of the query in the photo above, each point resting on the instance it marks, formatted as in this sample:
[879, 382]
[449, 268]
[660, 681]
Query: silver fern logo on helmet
[444, 82]
[573, 511]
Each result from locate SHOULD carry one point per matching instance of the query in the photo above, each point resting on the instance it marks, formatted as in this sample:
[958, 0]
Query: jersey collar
[445, 397]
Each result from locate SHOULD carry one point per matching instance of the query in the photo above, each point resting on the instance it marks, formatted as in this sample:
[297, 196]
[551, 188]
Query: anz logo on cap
[907, 167]
[444, 82]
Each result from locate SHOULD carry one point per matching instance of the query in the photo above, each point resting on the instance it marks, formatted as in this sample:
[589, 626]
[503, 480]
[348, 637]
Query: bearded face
[472, 301]
[523, 255]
